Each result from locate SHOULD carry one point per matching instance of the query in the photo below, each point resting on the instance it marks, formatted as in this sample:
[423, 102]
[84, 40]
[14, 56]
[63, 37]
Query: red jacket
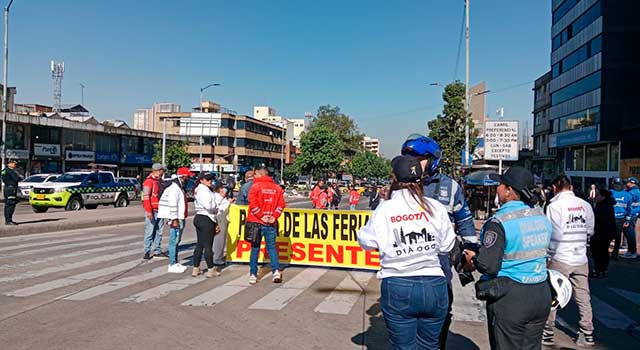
[265, 198]
[315, 195]
[323, 200]
[150, 200]
[354, 197]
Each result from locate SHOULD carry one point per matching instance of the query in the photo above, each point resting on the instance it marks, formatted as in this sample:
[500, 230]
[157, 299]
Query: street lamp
[201, 127]
[4, 88]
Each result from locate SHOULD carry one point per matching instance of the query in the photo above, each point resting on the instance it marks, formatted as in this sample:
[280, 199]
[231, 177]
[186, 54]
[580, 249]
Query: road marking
[223, 292]
[68, 281]
[609, 316]
[466, 307]
[629, 295]
[120, 283]
[48, 243]
[70, 266]
[279, 298]
[66, 256]
[38, 237]
[66, 246]
[164, 289]
[566, 325]
[345, 296]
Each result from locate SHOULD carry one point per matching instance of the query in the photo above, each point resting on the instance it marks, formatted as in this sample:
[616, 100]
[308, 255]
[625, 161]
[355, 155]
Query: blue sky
[372, 58]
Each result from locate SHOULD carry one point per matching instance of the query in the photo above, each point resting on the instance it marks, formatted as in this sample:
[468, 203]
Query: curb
[67, 225]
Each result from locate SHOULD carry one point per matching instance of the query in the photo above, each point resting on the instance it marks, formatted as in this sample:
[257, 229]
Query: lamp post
[201, 127]
[4, 88]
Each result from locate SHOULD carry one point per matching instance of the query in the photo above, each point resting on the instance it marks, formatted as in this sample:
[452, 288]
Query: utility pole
[5, 89]
[164, 142]
[466, 89]
[213, 159]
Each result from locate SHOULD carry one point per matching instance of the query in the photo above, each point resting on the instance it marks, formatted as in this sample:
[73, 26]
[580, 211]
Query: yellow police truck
[75, 190]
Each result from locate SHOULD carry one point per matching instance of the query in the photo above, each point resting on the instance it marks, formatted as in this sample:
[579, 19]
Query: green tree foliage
[448, 128]
[290, 173]
[177, 156]
[368, 165]
[342, 125]
[321, 152]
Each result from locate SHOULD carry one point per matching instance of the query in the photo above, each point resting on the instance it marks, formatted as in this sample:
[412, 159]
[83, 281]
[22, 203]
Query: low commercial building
[371, 144]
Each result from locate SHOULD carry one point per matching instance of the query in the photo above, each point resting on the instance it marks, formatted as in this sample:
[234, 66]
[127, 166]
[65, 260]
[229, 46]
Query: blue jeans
[175, 234]
[414, 310]
[269, 234]
[630, 235]
[352, 207]
[152, 232]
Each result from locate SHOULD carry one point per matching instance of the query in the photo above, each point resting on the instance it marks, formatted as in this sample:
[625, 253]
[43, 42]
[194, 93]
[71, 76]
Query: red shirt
[315, 195]
[265, 198]
[323, 200]
[354, 197]
[150, 200]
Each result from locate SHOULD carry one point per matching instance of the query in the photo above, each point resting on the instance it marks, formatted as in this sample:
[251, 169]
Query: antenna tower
[57, 71]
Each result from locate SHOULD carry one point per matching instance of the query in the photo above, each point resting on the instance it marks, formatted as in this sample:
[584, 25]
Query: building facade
[371, 144]
[544, 158]
[147, 119]
[478, 106]
[595, 66]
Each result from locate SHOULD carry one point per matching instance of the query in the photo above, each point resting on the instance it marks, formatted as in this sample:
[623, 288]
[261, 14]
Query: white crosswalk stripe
[279, 298]
[219, 294]
[629, 295]
[48, 249]
[609, 316]
[342, 299]
[164, 289]
[41, 236]
[48, 243]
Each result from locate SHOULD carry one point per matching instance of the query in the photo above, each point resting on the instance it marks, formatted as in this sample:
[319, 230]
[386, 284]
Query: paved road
[91, 289]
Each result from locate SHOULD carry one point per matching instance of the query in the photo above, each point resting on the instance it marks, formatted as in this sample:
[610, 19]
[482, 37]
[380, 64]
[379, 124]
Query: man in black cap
[512, 259]
[10, 178]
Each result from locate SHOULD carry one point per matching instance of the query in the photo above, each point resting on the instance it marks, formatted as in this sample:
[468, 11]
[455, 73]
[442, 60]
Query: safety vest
[527, 236]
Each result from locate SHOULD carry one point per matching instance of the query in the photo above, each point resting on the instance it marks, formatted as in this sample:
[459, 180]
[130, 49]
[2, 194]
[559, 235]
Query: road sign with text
[501, 140]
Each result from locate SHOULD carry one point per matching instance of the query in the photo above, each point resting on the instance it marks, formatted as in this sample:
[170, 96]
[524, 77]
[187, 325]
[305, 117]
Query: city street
[90, 289]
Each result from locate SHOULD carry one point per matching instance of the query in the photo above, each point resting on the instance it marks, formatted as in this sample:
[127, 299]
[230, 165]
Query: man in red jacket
[150, 202]
[354, 198]
[266, 203]
[314, 195]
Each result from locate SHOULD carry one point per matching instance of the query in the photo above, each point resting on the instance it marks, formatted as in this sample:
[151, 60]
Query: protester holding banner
[222, 219]
[205, 224]
[410, 230]
[266, 203]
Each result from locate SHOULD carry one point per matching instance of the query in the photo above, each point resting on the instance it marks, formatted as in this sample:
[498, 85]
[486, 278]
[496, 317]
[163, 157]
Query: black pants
[617, 237]
[205, 230]
[517, 319]
[600, 251]
[9, 209]
[445, 263]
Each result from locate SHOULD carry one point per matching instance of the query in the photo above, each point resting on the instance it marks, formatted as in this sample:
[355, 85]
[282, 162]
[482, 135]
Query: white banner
[17, 154]
[46, 150]
[501, 140]
[81, 156]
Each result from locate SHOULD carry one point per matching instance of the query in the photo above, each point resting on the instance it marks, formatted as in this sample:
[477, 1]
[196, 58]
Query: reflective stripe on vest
[527, 237]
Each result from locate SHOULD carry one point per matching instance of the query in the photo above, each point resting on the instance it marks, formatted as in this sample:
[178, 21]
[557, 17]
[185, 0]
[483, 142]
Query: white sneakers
[277, 277]
[177, 268]
[253, 279]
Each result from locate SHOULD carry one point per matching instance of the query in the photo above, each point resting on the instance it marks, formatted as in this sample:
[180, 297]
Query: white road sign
[501, 140]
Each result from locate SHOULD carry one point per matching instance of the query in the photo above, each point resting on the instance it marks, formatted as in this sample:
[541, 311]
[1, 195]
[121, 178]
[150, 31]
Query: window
[77, 140]
[40, 134]
[240, 124]
[258, 145]
[104, 178]
[577, 26]
[148, 145]
[555, 126]
[596, 159]
[580, 119]
[563, 9]
[106, 143]
[15, 137]
[575, 159]
[130, 145]
[227, 123]
[536, 145]
[582, 86]
[225, 141]
[580, 55]
[614, 154]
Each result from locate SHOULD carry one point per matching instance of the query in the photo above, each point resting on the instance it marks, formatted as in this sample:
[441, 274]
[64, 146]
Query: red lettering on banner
[315, 250]
[354, 253]
[243, 247]
[369, 255]
[297, 252]
[282, 248]
[332, 254]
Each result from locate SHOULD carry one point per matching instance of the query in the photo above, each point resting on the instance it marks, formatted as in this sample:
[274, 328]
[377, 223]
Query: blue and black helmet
[617, 181]
[421, 146]
[633, 180]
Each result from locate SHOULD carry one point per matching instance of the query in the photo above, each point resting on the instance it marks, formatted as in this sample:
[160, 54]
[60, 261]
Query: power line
[510, 87]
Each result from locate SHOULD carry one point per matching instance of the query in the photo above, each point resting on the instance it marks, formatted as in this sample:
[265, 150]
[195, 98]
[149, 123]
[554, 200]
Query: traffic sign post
[501, 141]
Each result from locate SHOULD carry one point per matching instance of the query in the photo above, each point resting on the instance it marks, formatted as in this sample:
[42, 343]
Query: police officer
[622, 212]
[630, 231]
[447, 191]
[10, 179]
[512, 259]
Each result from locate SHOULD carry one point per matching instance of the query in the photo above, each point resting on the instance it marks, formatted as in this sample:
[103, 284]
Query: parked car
[24, 186]
[131, 181]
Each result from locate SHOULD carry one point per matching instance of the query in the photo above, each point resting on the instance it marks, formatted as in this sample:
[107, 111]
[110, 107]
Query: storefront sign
[17, 154]
[205, 167]
[46, 150]
[136, 159]
[577, 137]
[107, 157]
[308, 237]
[80, 156]
[501, 140]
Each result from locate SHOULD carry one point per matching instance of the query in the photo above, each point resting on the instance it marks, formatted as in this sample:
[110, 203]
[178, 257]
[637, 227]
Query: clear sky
[373, 58]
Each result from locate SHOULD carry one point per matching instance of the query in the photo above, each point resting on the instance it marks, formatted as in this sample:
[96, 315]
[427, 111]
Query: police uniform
[512, 259]
[10, 179]
[622, 213]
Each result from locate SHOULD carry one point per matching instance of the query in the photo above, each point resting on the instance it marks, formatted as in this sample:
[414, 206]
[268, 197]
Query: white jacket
[172, 204]
[205, 202]
[223, 205]
[408, 238]
[573, 221]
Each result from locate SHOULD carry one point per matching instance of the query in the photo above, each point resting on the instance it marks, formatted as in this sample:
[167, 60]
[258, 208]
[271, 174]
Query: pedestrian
[231, 185]
[10, 178]
[384, 194]
[322, 202]
[573, 223]
[605, 226]
[374, 197]
[336, 196]
[173, 208]
[243, 194]
[205, 224]
[222, 220]
[410, 230]
[593, 194]
[314, 195]
[448, 192]
[512, 259]
[150, 202]
[266, 203]
[630, 230]
[354, 198]
[622, 211]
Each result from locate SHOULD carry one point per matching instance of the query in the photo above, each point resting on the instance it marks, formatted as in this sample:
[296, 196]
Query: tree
[342, 125]
[448, 128]
[176, 156]
[321, 152]
[290, 174]
[368, 165]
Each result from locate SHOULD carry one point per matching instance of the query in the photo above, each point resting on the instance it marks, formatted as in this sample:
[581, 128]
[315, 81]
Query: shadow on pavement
[37, 221]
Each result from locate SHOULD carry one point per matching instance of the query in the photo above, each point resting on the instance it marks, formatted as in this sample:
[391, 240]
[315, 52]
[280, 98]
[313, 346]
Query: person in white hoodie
[205, 224]
[173, 208]
[410, 230]
[573, 224]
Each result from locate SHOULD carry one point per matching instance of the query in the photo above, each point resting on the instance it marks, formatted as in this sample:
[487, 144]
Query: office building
[543, 156]
[371, 144]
